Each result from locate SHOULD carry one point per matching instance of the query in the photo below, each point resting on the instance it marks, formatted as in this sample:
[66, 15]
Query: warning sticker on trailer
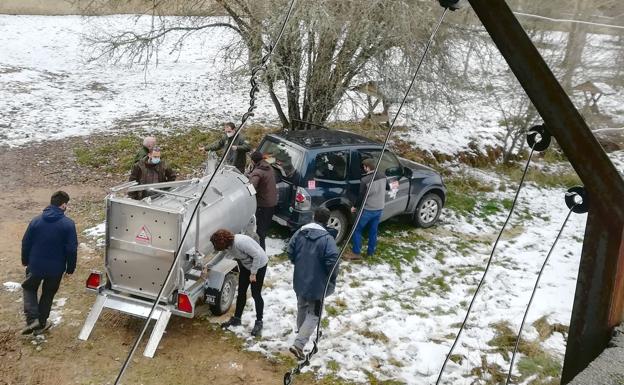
[311, 184]
[144, 236]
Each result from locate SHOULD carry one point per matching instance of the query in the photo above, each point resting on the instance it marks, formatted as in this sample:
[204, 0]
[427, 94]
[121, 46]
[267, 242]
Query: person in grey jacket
[314, 253]
[252, 264]
[372, 210]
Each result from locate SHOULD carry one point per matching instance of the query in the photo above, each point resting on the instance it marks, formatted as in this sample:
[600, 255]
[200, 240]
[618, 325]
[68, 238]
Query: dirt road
[193, 351]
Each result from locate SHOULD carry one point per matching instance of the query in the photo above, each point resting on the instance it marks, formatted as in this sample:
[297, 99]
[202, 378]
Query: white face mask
[229, 134]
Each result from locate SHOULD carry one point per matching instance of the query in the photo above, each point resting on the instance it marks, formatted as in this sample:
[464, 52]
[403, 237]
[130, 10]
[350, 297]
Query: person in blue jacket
[313, 251]
[49, 249]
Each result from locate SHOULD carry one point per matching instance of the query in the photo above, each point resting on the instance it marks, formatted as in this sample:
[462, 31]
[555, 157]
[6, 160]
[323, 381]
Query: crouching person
[49, 249]
[252, 265]
[313, 251]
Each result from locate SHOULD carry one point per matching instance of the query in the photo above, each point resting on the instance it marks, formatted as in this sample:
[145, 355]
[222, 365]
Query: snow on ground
[49, 91]
[400, 325]
[12, 286]
[56, 314]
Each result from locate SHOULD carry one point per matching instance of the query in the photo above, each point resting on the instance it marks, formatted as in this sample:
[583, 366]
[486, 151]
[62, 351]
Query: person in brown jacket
[150, 169]
[263, 179]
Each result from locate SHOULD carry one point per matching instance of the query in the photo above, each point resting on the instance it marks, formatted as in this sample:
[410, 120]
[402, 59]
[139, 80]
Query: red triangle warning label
[144, 235]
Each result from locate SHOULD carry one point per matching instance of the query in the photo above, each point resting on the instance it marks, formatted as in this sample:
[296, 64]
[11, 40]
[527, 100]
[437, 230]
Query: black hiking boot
[257, 329]
[41, 329]
[234, 321]
[30, 327]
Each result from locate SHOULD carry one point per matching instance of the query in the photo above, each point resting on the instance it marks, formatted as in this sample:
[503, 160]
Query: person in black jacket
[313, 251]
[49, 249]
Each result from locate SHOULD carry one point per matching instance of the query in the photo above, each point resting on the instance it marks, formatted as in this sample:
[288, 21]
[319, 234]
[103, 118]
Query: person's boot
[42, 328]
[298, 353]
[30, 327]
[257, 329]
[234, 321]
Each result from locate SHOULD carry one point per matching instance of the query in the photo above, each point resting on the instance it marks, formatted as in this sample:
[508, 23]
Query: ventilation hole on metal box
[131, 216]
[158, 268]
[141, 288]
[159, 237]
[114, 259]
[126, 229]
[115, 227]
[121, 275]
[156, 220]
[129, 277]
[153, 283]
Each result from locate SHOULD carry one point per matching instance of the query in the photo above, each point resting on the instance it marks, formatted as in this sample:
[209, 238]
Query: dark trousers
[39, 308]
[256, 291]
[264, 216]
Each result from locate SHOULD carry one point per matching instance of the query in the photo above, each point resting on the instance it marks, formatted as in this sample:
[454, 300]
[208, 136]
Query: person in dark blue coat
[49, 249]
[313, 251]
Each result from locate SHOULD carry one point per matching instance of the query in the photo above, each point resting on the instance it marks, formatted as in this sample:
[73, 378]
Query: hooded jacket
[313, 252]
[263, 179]
[50, 244]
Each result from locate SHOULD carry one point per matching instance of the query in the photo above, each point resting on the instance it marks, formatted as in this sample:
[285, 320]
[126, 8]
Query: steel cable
[289, 376]
[539, 276]
[252, 106]
[487, 266]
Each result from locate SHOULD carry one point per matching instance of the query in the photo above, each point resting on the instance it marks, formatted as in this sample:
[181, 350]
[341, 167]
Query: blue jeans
[369, 218]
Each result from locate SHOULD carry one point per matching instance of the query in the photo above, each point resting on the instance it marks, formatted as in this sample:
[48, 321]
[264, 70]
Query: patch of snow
[400, 326]
[12, 286]
[56, 314]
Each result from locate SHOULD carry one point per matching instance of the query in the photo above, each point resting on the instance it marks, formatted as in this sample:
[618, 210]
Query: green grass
[535, 362]
[115, 154]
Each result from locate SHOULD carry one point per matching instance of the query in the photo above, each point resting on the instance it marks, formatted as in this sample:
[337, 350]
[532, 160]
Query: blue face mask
[155, 160]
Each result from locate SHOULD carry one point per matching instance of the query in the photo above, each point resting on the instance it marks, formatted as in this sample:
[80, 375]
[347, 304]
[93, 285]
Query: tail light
[95, 280]
[303, 201]
[184, 303]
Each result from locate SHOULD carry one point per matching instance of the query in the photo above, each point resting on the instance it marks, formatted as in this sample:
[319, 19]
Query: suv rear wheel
[428, 210]
[338, 220]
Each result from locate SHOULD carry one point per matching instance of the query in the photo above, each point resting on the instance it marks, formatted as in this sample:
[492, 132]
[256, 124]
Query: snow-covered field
[400, 324]
[389, 322]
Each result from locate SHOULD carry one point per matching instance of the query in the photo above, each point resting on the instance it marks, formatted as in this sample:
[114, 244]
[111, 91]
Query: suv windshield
[282, 156]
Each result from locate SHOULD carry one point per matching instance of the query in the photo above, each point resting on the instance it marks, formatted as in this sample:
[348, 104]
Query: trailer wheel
[224, 299]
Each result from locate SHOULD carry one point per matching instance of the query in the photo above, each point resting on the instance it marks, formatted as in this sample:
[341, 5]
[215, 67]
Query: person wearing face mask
[237, 154]
[49, 249]
[151, 169]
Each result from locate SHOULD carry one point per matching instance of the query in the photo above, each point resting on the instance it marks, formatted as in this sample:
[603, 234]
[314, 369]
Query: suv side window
[331, 165]
[389, 163]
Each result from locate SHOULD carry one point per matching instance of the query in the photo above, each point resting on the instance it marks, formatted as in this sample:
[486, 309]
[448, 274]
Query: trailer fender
[218, 272]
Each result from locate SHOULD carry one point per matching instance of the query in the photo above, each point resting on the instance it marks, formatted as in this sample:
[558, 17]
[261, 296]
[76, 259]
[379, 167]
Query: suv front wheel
[338, 220]
[428, 210]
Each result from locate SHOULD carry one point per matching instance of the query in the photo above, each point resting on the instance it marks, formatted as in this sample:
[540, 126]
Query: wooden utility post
[599, 298]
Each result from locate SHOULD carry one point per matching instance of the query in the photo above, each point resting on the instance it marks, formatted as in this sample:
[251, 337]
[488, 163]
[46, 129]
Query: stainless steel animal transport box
[142, 238]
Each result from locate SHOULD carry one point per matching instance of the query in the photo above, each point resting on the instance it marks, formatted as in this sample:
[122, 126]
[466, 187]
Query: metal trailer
[141, 242]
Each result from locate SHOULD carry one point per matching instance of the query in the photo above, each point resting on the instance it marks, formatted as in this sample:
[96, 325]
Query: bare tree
[326, 48]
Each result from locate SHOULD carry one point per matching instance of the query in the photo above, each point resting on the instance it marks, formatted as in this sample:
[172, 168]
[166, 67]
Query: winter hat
[257, 156]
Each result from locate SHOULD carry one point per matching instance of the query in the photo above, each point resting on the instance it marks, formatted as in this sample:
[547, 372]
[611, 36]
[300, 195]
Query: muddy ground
[193, 351]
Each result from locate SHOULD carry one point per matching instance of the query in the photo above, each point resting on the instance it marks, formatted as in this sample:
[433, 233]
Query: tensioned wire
[489, 262]
[537, 280]
[252, 106]
[288, 376]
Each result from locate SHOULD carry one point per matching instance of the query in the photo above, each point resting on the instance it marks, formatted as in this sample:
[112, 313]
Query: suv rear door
[286, 160]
